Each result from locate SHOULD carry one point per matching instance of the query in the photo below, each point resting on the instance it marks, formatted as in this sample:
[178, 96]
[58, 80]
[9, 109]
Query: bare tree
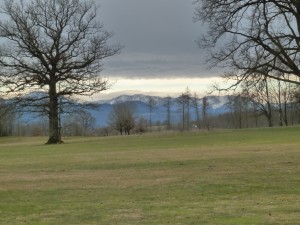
[295, 103]
[253, 37]
[56, 47]
[281, 101]
[122, 117]
[285, 100]
[7, 117]
[196, 105]
[151, 103]
[260, 93]
[168, 104]
[205, 106]
[141, 125]
[86, 120]
[238, 105]
[184, 101]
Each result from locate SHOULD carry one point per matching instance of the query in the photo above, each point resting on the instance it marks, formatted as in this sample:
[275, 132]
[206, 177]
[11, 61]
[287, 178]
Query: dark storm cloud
[158, 38]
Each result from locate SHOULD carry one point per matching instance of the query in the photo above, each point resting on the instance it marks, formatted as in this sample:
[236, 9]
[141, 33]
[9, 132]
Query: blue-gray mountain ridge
[217, 105]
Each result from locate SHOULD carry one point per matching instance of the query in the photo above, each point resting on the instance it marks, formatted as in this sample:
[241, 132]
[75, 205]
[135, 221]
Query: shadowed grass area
[221, 177]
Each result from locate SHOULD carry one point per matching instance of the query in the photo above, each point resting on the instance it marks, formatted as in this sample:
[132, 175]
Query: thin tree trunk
[280, 105]
[168, 118]
[197, 116]
[269, 113]
[183, 116]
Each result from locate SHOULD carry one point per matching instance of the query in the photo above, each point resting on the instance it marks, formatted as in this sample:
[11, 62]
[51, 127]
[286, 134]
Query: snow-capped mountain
[133, 98]
[216, 102]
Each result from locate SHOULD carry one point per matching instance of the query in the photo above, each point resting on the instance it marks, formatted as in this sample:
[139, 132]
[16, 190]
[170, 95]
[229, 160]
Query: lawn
[219, 177]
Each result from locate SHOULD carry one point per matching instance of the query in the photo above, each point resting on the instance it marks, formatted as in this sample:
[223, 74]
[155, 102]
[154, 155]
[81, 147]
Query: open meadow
[220, 177]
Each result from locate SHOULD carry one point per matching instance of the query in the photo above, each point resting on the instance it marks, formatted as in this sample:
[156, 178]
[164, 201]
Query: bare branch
[257, 37]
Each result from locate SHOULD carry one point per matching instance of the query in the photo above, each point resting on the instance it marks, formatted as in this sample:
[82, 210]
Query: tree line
[259, 104]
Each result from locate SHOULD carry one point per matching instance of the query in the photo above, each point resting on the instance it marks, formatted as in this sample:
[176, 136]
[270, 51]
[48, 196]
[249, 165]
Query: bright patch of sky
[158, 87]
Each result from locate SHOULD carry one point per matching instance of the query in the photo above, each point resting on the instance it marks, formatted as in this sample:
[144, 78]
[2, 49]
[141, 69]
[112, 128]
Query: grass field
[222, 177]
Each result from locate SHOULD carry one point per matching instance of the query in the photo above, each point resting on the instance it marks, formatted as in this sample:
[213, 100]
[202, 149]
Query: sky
[160, 55]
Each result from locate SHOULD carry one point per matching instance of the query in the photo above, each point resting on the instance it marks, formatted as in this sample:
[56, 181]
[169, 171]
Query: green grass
[220, 177]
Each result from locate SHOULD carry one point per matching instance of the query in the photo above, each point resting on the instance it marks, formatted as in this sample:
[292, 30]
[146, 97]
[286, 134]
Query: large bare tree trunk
[54, 131]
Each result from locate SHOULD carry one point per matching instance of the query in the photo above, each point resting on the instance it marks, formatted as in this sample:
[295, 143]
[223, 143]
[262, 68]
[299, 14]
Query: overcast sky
[160, 53]
[158, 38]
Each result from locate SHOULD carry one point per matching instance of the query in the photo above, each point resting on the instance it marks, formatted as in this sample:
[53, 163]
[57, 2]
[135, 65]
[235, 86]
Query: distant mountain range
[217, 105]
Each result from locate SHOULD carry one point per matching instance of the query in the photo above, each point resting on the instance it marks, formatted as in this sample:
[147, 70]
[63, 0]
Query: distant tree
[238, 107]
[151, 103]
[295, 105]
[196, 105]
[86, 120]
[122, 117]
[55, 47]
[279, 98]
[259, 91]
[7, 118]
[184, 101]
[284, 92]
[205, 119]
[141, 125]
[168, 104]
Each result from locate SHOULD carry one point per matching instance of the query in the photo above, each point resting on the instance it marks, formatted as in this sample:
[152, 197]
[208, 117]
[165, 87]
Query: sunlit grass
[220, 177]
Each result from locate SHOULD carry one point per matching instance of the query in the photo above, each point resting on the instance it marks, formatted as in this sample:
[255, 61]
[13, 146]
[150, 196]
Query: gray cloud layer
[158, 37]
